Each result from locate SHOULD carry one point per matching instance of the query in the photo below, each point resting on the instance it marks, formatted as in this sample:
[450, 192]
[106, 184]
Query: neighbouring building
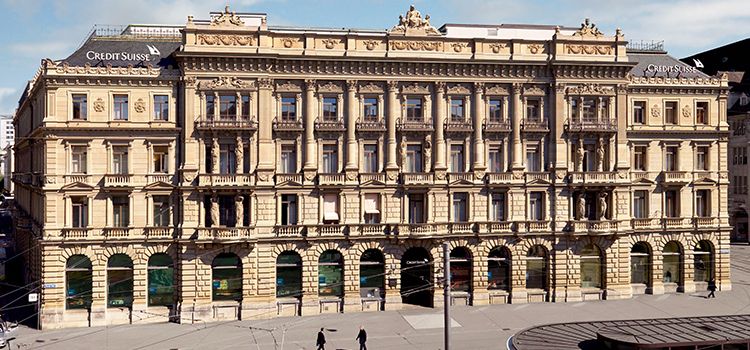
[731, 59]
[229, 169]
[7, 137]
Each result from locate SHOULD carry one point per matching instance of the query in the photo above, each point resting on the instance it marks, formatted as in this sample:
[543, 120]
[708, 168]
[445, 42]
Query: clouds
[8, 99]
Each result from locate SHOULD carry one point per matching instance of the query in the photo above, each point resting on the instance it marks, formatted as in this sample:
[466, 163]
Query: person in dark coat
[321, 342]
[711, 288]
[362, 337]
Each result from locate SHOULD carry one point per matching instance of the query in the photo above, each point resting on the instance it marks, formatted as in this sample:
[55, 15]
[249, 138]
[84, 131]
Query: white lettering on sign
[117, 56]
[33, 297]
[677, 68]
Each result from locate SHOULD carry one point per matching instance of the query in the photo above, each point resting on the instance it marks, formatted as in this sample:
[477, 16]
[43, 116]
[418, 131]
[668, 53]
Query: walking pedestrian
[711, 288]
[321, 342]
[362, 337]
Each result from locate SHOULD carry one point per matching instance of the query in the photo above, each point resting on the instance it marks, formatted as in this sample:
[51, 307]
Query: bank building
[229, 169]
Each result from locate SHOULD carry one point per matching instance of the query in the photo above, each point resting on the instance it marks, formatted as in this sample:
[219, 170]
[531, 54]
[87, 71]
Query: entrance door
[416, 277]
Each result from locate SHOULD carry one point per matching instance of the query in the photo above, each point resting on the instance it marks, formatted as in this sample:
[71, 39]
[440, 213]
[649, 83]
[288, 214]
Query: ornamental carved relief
[533, 91]
[588, 49]
[330, 43]
[655, 111]
[265, 83]
[496, 90]
[497, 47]
[686, 112]
[66, 68]
[590, 89]
[330, 86]
[415, 88]
[458, 47]
[459, 89]
[588, 29]
[139, 106]
[99, 105]
[370, 87]
[227, 19]
[535, 48]
[416, 46]
[226, 40]
[226, 83]
[190, 81]
[371, 44]
[288, 86]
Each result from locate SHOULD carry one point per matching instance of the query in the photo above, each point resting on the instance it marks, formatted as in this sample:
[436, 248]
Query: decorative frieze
[371, 87]
[139, 106]
[434, 46]
[533, 91]
[226, 40]
[288, 86]
[590, 89]
[415, 88]
[580, 49]
[330, 87]
[226, 83]
[88, 69]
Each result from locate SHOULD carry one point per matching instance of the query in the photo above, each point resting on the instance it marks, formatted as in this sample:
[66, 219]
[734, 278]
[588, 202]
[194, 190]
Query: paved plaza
[485, 327]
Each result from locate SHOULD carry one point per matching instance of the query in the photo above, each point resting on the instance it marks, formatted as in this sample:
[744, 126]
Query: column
[393, 114]
[311, 154]
[516, 120]
[352, 156]
[479, 111]
[266, 112]
[217, 104]
[238, 109]
[239, 153]
[440, 104]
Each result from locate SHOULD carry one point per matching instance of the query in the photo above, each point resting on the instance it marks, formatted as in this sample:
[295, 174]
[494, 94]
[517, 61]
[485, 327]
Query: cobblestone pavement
[483, 327]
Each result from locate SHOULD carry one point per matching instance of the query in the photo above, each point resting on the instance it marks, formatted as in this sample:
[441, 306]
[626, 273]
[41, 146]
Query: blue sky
[36, 29]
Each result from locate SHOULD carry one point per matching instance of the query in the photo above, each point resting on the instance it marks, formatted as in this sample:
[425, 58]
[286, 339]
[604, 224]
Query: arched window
[536, 268]
[227, 277]
[460, 270]
[119, 281]
[591, 267]
[703, 262]
[640, 264]
[371, 274]
[671, 256]
[78, 284]
[498, 269]
[288, 275]
[331, 274]
[160, 280]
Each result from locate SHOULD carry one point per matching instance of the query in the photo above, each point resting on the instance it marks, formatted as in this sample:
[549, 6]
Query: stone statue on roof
[413, 24]
[227, 18]
[588, 28]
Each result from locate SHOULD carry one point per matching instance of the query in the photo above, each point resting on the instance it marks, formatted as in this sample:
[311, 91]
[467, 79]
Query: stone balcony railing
[676, 177]
[224, 233]
[463, 177]
[417, 230]
[595, 226]
[534, 125]
[117, 232]
[370, 230]
[224, 123]
[593, 177]
[497, 126]
[290, 231]
[370, 177]
[605, 125]
[668, 223]
[417, 178]
[166, 178]
[494, 227]
[500, 178]
[534, 226]
[158, 232]
[81, 178]
[705, 222]
[370, 125]
[461, 228]
[414, 125]
[537, 176]
[331, 179]
[75, 233]
[295, 125]
[327, 230]
[323, 124]
[118, 180]
[644, 223]
[226, 180]
[458, 126]
[289, 178]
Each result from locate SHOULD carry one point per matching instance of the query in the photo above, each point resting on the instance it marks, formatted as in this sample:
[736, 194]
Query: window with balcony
[161, 107]
[589, 109]
[498, 207]
[370, 160]
[120, 211]
[227, 159]
[536, 206]
[120, 107]
[671, 204]
[670, 162]
[370, 109]
[417, 208]
[330, 208]
[414, 110]
[414, 158]
[227, 211]
[288, 159]
[457, 159]
[120, 160]
[330, 159]
[80, 212]
[533, 158]
[372, 208]
[702, 203]
[161, 211]
[604, 106]
[161, 159]
[457, 109]
[210, 106]
[701, 113]
[670, 112]
[80, 106]
[496, 110]
[227, 107]
[532, 110]
[330, 109]
[639, 158]
[288, 209]
[246, 112]
[78, 160]
[460, 207]
[640, 204]
[701, 158]
[495, 159]
[639, 112]
[288, 108]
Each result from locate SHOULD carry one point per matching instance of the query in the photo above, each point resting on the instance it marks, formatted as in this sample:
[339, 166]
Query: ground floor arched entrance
[416, 277]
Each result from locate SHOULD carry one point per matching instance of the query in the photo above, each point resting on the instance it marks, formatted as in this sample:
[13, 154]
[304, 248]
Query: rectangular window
[589, 109]
[80, 109]
[670, 112]
[702, 208]
[330, 209]
[161, 107]
[161, 211]
[227, 211]
[120, 107]
[120, 160]
[414, 110]
[330, 109]
[371, 109]
[330, 159]
[228, 107]
[288, 159]
[210, 103]
[670, 163]
[457, 110]
[604, 108]
[498, 207]
[495, 159]
[161, 159]
[640, 209]
[496, 110]
[227, 159]
[460, 207]
[457, 159]
[370, 158]
[414, 159]
[533, 158]
[78, 160]
[288, 108]
[372, 208]
[120, 211]
[80, 211]
[416, 209]
[639, 158]
[246, 112]
[288, 209]
[671, 208]
[701, 113]
[536, 206]
[701, 158]
[532, 111]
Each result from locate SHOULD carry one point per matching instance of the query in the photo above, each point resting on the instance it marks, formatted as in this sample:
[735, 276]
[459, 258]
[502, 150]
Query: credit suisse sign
[153, 54]
[670, 69]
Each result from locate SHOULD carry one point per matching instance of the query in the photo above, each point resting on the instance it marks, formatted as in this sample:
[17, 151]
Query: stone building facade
[237, 170]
